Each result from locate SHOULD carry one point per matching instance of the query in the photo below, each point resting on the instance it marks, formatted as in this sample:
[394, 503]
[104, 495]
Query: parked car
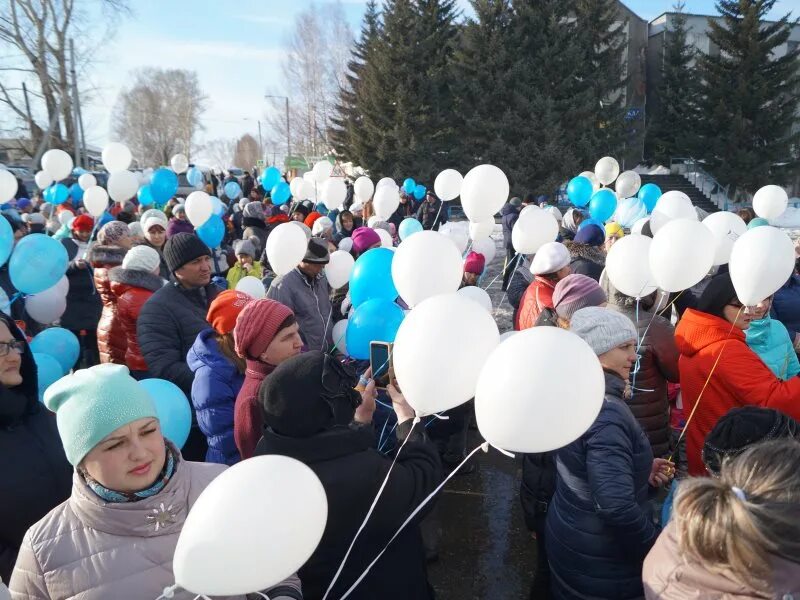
[185, 188]
[25, 174]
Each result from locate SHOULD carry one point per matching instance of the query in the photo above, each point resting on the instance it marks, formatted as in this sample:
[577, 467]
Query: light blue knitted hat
[91, 403]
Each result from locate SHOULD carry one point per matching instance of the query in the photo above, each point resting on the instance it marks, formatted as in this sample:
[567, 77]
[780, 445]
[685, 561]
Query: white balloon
[770, 201]
[628, 184]
[762, 260]
[482, 230]
[253, 526]
[286, 247]
[47, 306]
[534, 227]
[198, 208]
[86, 181]
[251, 286]
[309, 190]
[458, 232]
[726, 227]
[681, 254]
[486, 247]
[339, 336]
[65, 217]
[424, 265]
[447, 333]
[593, 178]
[552, 210]
[338, 269]
[322, 171]
[386, 201]
[606, 170]
[320, 226]
[507, 334]
[484, 192]
[386, 238]
[363, 188]
[386, 181]
[116, 157]
[522, 409]
[95, 200]
[637, 227]
[671, 205]
[179, 163]
[122, 186]
[334, 191]
[62, 286]
[346, 244]
[8, 186]
[58, 164]
[298, 188]
[447, 185]
[372, 220]
[628, 266]
[43, 179]
[476, 294]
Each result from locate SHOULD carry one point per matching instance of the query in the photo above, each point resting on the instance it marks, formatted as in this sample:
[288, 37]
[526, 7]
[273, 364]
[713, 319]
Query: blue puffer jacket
[599, 524]
[216, 384]
[769, 339]
[786, 305]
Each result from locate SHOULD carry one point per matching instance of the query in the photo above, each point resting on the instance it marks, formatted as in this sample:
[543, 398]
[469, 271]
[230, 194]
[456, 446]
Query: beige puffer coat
[88, 549]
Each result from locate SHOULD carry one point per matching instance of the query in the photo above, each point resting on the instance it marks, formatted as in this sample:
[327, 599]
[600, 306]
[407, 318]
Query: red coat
[740, 378]
[536, 298]
[132, 289]
[110, 336]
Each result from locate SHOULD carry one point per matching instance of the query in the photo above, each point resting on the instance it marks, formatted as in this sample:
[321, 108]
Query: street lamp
[288, 138]
[260, 143]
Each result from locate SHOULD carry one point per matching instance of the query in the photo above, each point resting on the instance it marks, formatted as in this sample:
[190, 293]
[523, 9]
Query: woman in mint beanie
[131, 491]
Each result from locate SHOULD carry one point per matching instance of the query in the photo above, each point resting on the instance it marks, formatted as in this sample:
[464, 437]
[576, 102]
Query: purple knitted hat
[575, 292]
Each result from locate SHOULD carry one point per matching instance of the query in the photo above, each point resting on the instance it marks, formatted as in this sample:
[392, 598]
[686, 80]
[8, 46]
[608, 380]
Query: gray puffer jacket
[311, 303]
[88, 549]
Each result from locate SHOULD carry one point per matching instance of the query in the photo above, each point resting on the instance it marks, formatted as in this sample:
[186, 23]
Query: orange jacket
[536, 298]
[740, 378]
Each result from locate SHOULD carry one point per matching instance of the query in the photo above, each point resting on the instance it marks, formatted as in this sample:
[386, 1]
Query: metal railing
[708, 185]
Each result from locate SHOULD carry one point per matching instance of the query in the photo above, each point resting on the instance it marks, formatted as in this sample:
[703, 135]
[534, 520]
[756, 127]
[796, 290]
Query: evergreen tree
[674, 111]
[750, 97]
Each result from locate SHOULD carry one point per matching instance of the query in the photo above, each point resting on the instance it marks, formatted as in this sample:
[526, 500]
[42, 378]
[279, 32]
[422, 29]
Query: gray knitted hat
[602, 329]
[244, 247]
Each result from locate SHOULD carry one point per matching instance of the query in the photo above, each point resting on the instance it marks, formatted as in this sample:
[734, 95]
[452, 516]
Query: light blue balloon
[37, 263]
[61, 344]
[629, 211]
[409, 227]
[409, 185]
[270, 178]
[212, 231]
[58, 193]
[76, 192]
[280, 193]
[419, 191]
[145, 195]
[194, 176]
[163, 184]
[6, 241]
[376, 320]
[172, 408]
[232, 190]
[649, 193]
[372, 277]
[217, 207]
[602, 205]
[48, 370]
[579, 190]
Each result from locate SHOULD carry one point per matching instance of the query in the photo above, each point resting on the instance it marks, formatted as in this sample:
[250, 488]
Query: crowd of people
[699, 414]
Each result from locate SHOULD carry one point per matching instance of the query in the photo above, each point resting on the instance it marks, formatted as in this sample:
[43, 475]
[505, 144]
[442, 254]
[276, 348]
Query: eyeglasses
[17, 345]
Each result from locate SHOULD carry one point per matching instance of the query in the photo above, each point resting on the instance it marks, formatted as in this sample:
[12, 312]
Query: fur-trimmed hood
[594, 254]
[120, 276]
[106, 256]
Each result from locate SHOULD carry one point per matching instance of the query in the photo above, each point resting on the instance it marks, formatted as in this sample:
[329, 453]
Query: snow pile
[654, 170]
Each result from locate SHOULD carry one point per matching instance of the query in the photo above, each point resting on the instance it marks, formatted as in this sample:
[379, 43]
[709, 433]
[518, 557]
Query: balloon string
[697, 402]
[484, 446]
[671, 303]
[370, 511]
[510, 280]
[436, 220]
[14, 298]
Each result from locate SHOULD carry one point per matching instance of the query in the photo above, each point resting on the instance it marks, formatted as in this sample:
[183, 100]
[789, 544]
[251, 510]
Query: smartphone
[380, 359]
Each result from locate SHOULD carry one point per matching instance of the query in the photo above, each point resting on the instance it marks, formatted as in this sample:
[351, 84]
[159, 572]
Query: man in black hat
[306, 291]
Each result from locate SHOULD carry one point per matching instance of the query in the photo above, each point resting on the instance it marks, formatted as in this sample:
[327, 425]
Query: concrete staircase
[681, 184]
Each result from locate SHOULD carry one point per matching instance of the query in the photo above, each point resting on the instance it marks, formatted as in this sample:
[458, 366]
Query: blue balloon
[76, 192]
[59, 343]
[194, 176]
[376, 320]
[409, 185]
[232, 190]
[37, 263]
[163, 185]
[172, 408]
[372, 277]
[78, 171]
[217, 207]
[212, 231]
[649, 193]
[57, 193]
[270, 178]
[602, 205]
[48, 370]
[6, 241]
[579, 190]
[595, 222]
[145, 195]
[419, 191]
[409, 227]
[280, 193]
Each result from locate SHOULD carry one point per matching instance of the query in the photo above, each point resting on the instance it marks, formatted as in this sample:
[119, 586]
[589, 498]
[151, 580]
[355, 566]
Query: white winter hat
[141, 258]
[152, 221]
[320, 225]
[136, 229]
[555, 212]
[550, 258]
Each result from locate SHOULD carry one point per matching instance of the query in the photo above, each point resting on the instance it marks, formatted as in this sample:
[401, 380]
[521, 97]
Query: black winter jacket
[167, 328]
[599, 524]
[351, 471]
[427, 215]
[36, 475]
[83, 302]
[509, 218]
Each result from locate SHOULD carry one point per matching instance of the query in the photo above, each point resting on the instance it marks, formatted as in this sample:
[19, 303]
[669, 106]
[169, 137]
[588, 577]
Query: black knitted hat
[183, 248]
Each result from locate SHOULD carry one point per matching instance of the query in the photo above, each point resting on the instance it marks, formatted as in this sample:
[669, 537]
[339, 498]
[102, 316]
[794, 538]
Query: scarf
[121, 497]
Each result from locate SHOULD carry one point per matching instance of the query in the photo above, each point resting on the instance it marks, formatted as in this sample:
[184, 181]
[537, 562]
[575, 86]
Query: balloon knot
[485, 446]
[169, 592]
[417, 419]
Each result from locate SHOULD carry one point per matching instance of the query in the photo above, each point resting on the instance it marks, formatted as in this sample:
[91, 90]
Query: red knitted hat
[474, 263]
[257, 325]
[83, 223]
[225, 308]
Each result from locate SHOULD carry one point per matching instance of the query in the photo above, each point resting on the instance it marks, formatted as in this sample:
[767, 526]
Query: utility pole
[260, 143]
[75, 121]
